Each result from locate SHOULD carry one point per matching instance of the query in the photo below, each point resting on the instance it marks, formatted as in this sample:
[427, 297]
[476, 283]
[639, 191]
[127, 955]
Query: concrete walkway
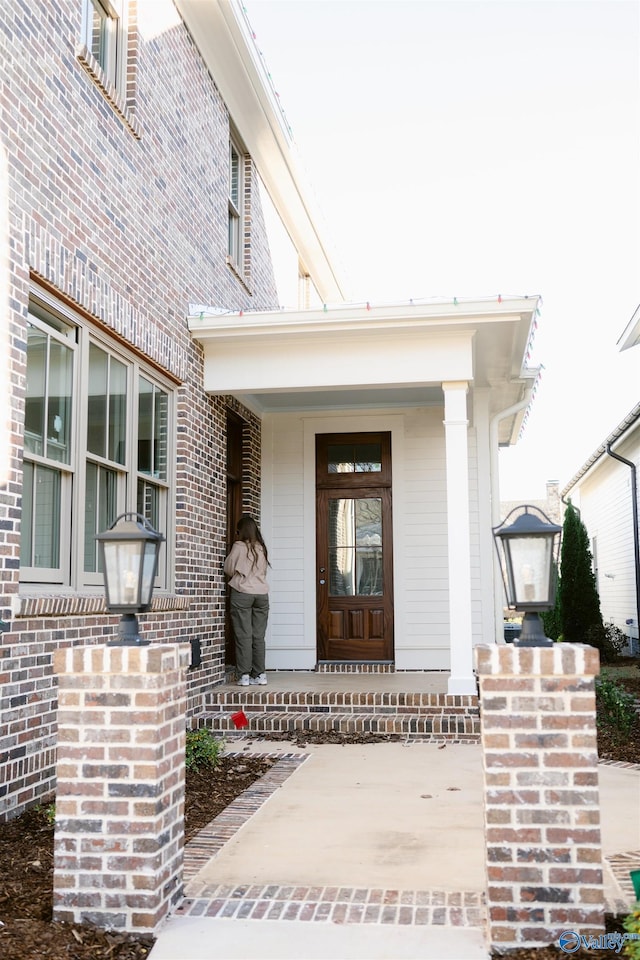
[361, 852]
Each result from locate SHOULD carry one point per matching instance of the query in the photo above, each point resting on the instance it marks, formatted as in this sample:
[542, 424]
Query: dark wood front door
[354, 547]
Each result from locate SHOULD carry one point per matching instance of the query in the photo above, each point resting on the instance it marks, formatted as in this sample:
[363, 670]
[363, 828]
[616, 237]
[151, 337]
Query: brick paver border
[333, 904]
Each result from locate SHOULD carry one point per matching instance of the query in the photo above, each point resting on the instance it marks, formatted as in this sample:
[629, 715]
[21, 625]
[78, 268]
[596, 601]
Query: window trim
[73, 577]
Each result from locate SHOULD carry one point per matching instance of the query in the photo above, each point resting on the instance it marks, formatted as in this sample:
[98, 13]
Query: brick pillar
[541, 802]
[119, 831]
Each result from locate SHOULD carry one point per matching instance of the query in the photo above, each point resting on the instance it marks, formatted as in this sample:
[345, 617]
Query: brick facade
[542, 813]
[117, 210]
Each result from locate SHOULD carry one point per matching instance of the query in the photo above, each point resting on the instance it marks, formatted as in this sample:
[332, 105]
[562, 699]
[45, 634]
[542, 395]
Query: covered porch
[442, 385]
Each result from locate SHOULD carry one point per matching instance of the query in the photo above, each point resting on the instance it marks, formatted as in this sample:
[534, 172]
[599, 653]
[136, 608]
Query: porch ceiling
[367, 356]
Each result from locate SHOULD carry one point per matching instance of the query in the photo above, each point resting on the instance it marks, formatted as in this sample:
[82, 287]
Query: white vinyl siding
[419, 504]
[604, 500]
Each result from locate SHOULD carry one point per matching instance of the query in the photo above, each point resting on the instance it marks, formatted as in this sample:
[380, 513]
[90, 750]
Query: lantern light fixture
[128, 553]
[528, 551]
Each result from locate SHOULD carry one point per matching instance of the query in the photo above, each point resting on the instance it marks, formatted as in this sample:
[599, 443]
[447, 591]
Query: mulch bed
[27, 931]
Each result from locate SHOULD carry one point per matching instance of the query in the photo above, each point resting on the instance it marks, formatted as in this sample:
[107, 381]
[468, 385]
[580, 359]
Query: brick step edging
[438, 727]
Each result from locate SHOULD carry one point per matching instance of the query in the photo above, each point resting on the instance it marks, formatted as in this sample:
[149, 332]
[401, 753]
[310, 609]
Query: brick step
[419, 703]
[461, 726]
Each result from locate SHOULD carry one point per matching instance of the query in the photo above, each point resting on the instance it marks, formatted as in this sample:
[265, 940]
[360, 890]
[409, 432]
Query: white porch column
[462, 680]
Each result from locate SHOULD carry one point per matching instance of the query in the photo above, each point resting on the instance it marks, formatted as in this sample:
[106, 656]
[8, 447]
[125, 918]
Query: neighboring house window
[105, 34]
[235, 205]
[97, 444]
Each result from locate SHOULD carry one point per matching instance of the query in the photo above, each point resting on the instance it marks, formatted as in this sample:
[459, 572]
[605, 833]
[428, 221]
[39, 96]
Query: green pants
[249, 614]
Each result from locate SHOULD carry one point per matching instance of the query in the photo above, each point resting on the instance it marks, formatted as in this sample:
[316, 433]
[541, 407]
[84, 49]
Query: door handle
[323, 582]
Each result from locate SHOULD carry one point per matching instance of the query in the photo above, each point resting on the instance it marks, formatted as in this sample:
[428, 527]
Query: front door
[354, 547]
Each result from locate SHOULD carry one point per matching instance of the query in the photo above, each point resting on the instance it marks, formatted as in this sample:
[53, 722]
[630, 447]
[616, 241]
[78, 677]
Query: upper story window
[104, 32]
[98, 443]
[236, 205]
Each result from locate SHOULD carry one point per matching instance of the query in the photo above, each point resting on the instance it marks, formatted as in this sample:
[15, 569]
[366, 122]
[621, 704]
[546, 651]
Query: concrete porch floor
[404, 681]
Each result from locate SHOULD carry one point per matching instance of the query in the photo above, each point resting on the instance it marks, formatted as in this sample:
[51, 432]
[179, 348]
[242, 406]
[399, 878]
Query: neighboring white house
[605, 490]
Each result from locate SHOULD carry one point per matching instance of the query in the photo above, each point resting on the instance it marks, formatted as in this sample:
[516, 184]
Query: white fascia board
[213, 325]
[221, 33]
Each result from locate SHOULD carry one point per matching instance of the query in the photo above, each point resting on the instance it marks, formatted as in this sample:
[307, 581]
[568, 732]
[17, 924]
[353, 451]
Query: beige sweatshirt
[244, 576]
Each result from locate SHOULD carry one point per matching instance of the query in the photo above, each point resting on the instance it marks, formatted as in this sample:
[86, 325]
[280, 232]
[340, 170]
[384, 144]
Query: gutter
[634, 507]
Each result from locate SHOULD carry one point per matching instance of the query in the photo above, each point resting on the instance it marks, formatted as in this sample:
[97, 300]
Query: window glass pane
[368, 522]
[153, 409]
[59, 402]
[43, 526]
[36, 389]
[99, 510]
[95, 35]
[148, 504]
[145, 426]
[97, 401]
[234, 177]
[26, 525]
[160, 434]
[117, 411]
[368, 458]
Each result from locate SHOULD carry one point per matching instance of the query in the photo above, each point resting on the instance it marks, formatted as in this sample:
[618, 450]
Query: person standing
[246, 566]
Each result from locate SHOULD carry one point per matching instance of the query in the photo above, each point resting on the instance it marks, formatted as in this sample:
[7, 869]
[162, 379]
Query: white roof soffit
[498, 331]
[631, 334]
[220, 31]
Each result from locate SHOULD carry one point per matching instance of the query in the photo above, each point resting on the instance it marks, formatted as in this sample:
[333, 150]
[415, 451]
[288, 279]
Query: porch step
[425, 716]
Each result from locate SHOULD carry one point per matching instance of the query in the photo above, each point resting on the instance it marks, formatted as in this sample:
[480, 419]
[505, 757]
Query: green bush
[202, 749]
[615, 705]
[631, 923]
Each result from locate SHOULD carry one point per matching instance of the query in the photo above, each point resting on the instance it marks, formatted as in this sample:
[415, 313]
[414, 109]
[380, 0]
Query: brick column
[541, 802]
[119, 831]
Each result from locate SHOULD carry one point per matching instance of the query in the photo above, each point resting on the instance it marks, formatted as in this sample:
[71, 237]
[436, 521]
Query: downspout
[495, 509]
[636, 541]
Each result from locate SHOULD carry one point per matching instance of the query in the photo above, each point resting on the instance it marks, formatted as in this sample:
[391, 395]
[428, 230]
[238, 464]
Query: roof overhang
[631, 333]
[374, 356]
[221, 32]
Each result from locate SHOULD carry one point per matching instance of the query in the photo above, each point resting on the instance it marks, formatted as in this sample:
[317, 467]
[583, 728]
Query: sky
[472, 148]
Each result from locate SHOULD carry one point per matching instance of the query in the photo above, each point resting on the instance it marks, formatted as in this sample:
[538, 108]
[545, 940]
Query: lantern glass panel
[122, 560]
[148, 572]
[530, 568]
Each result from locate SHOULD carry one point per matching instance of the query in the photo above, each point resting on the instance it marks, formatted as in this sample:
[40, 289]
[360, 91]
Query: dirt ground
[27, 931]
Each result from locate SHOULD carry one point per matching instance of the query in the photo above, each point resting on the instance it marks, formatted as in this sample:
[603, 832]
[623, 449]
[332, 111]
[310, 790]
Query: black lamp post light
[528, 550]
[129, 552]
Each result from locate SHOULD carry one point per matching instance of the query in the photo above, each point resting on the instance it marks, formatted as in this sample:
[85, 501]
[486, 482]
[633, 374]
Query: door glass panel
[340, 458]
[354, 458]
[368, 458]
[355, 546]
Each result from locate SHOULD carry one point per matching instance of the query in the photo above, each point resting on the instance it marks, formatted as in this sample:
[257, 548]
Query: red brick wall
[119, 207]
